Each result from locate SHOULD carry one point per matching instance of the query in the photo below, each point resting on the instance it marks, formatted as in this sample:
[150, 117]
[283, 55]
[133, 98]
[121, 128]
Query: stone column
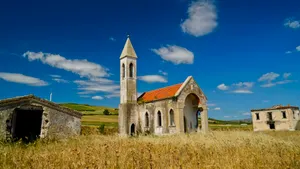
[204, 120]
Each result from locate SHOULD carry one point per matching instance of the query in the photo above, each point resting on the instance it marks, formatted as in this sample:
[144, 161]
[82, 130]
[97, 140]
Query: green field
[86, 109]
[112, 121]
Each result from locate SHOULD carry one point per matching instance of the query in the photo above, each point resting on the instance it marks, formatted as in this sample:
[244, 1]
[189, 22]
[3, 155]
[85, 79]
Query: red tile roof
[162, 93]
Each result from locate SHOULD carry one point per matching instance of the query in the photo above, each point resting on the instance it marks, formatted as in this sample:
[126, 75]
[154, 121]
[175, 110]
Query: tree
[106, 112]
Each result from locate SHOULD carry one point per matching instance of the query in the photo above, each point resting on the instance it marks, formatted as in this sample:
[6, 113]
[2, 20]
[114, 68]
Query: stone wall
[5, 121]
[58, 124]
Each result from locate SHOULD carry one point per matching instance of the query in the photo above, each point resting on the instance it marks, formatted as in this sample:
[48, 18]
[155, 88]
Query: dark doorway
[272, 126]
[132, 130]
[27, 124]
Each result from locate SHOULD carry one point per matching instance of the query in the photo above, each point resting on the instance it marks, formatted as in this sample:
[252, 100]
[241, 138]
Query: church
[169, 110]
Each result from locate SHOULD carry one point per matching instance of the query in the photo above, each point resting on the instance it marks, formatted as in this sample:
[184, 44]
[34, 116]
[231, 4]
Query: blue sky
[243, 54]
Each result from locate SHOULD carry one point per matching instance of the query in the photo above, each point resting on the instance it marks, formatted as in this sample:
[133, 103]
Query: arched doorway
[191, 113]
[132, 129]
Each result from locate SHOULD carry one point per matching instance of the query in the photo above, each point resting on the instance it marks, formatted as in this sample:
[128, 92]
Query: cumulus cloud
[175, 54]
[288, 52]
[240, 88]
[291, 23]
[97, 97]
[222, 87]
[82, 67]
[298, 48]
[23, 79]
[153, 79]
[202, 18]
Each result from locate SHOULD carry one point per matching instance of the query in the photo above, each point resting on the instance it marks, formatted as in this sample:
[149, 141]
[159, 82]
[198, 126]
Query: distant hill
[86, 109]
[215, 121]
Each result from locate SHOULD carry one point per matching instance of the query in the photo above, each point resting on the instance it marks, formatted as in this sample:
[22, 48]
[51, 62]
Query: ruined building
[172, 109]
[30, 117]
[276, 118]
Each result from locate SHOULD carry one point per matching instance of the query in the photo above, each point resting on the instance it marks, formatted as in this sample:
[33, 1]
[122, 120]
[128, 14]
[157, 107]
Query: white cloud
[113, 94]
[84, 96]
[298, 48]
[217, 108]
[97, 97]
[163, 73]
[286, 75]
[242, 91]
[266, 101]
[153, 78]
[268, 77]
[246, 114]
[88, 87]
[268, 85]
[222, 87]
[292, 23]
[23, 79]
[227, 116]
[202, 18]
[55, 76]
[240, 88]
[82, 67]
[112, 39]
[175, 54]
[58, 80]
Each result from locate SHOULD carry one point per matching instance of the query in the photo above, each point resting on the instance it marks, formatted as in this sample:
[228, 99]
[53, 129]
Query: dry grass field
[218, 149]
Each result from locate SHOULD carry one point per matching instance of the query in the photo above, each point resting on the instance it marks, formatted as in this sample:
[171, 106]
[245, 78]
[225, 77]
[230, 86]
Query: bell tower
[128, 116]
[128, 67]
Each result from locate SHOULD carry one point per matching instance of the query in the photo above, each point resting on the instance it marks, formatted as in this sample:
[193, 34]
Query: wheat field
[218, 149]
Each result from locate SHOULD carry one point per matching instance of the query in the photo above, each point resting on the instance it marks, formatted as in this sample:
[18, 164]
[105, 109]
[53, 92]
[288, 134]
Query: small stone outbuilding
[30, 117]
[277, 117]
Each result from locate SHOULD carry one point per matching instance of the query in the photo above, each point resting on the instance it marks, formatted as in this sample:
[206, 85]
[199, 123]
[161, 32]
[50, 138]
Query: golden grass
[239, 149]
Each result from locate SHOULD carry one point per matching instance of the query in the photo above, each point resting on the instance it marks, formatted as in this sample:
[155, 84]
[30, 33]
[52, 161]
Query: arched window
[159, 118]
[146, 120]
[172, 122]
[123, 70]
[131, 69]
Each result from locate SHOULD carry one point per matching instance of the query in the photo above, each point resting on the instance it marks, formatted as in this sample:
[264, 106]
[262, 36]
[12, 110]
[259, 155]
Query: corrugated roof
[159, 94]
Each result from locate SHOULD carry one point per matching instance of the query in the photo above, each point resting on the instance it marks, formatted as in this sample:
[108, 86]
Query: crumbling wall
[5, 122]
[57, 124]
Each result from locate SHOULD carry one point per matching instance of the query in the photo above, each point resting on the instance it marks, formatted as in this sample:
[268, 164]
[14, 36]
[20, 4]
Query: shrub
[101, 128]
[106, 112]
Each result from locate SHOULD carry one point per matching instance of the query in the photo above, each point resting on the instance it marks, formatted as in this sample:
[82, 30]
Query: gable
[159, 94]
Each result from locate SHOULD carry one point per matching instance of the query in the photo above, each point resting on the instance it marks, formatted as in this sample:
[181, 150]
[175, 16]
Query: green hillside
[90, 110]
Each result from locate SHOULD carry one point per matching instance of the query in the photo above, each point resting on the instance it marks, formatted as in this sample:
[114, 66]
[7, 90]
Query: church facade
[168, 110]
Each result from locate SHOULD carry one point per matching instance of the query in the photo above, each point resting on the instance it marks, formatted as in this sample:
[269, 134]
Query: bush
[101, 128]
[106, 112]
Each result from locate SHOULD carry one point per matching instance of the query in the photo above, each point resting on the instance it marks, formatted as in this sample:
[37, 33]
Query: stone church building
[172, 109]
